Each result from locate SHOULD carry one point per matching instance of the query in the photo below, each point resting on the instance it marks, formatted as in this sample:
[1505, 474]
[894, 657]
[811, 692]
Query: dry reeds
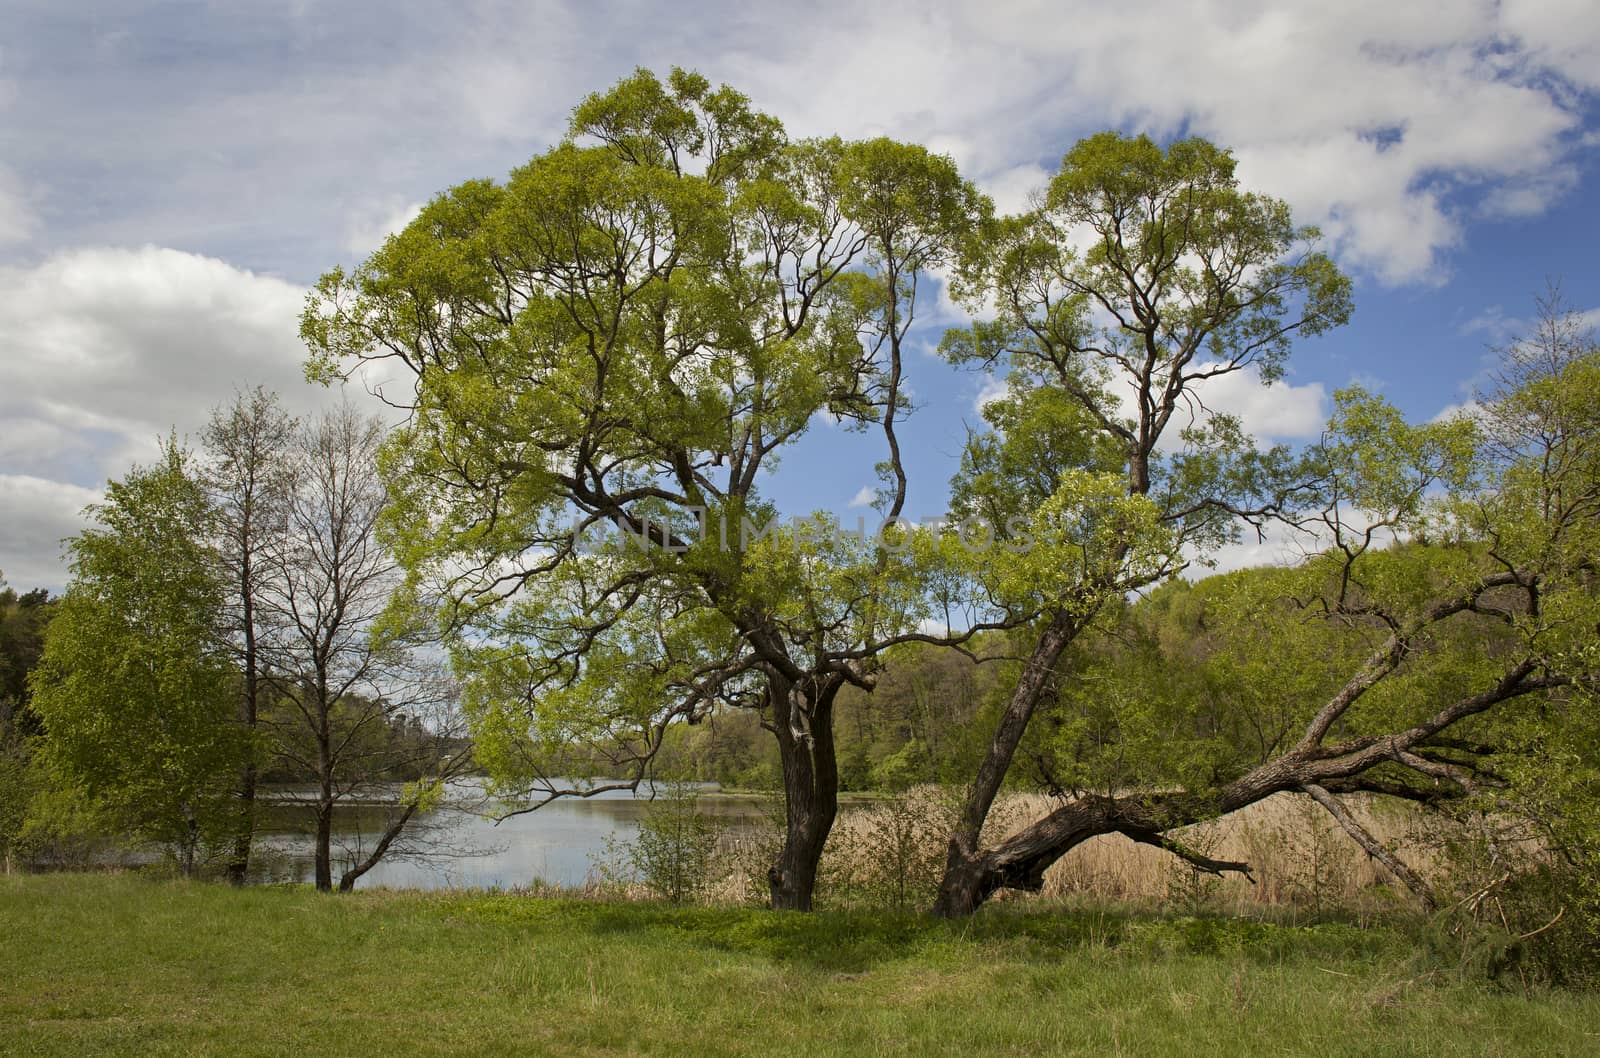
[889, 852]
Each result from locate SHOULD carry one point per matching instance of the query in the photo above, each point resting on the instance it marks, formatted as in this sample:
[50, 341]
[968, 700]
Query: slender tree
[343, 665]
[1142, 275]
[245, 466]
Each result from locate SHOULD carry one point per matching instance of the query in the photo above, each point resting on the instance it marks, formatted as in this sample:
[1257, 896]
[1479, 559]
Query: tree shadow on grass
[857, 941]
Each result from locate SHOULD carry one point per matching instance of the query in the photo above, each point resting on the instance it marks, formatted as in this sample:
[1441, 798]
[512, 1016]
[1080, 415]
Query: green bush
[673, 852]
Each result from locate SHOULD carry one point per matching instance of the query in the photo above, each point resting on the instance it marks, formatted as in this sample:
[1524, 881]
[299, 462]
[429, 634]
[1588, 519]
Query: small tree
[134, 689]
[344, 663]
[245, 471]
[674, 849]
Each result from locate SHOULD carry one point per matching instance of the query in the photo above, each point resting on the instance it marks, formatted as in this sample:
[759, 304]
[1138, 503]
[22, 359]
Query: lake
[457, 846]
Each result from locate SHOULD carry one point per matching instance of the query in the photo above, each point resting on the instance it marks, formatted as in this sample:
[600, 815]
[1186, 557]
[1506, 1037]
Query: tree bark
[347, 880]
[324, 845]
[961, 888]
[804, 726]
[1372, 846]
[244, 837]
[324, 848]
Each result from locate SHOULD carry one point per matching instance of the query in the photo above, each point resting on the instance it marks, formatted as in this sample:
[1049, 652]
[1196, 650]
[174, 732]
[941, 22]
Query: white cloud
[1279, 412]
[371, 224]
[107, 350]
[1467, 409]
[866, 496]
[1014, 190]
[991, 389]
[1276, 545]
[1370, 116]
[40, 514]
[1366, 116]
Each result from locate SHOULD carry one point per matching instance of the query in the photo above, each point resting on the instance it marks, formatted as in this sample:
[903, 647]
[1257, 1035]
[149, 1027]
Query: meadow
[109, 964]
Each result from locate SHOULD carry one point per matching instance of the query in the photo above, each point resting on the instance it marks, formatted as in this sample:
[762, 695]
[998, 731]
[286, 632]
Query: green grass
[124, 965]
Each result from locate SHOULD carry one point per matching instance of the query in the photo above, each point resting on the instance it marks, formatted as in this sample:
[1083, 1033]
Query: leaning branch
[1190, 856]
[1371, 845]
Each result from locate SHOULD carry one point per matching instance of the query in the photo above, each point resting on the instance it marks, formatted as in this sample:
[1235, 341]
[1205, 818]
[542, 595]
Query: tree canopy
[623, 337]
[134, 688]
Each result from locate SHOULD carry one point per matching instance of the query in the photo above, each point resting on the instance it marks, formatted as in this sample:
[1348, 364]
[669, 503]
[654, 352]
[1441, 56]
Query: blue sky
[172, 176]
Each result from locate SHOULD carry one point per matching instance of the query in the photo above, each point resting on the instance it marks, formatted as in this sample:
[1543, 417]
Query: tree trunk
[961, 888]
[186, 849]
[347, 881]
[244, 837]
[804, 726]
[324, 848]
[1021, 860]
[324, 709]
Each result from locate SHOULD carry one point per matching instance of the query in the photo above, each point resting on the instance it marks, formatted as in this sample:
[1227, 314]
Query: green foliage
[673, 850]
[134, 689]
[16, 793]
[55, 822]
[22, 622]
[1186, 278]
[616, 343]
[889, 852]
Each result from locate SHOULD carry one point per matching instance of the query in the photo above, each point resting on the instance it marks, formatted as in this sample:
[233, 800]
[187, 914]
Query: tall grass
[889, 852]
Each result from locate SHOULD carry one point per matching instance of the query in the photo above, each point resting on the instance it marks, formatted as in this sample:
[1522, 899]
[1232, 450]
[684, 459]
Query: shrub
[672, 854]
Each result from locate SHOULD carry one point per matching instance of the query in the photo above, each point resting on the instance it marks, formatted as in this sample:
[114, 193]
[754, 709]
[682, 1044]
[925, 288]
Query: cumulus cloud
[1275, 545]
[1279, 412]
[373, 222]
[1467, 409]
[40, 514]
[1386, 123]
[990, 389]
[1390, 124]
[865, 496]
[110, 349]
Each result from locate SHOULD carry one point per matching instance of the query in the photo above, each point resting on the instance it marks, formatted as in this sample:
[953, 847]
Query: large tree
[1142, 275]
[627, 334]
[135, 686]
[1439, 628]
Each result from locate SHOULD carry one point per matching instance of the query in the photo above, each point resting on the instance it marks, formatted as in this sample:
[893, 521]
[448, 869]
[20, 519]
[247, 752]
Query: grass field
[96, 964]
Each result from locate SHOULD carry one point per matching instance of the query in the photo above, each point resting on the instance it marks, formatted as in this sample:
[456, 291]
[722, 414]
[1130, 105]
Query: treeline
[232, 619]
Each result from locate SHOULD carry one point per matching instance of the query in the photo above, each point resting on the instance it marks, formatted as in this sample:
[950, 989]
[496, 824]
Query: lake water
[461, 847]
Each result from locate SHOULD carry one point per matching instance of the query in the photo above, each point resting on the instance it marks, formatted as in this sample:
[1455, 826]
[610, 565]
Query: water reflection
[456, 846]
